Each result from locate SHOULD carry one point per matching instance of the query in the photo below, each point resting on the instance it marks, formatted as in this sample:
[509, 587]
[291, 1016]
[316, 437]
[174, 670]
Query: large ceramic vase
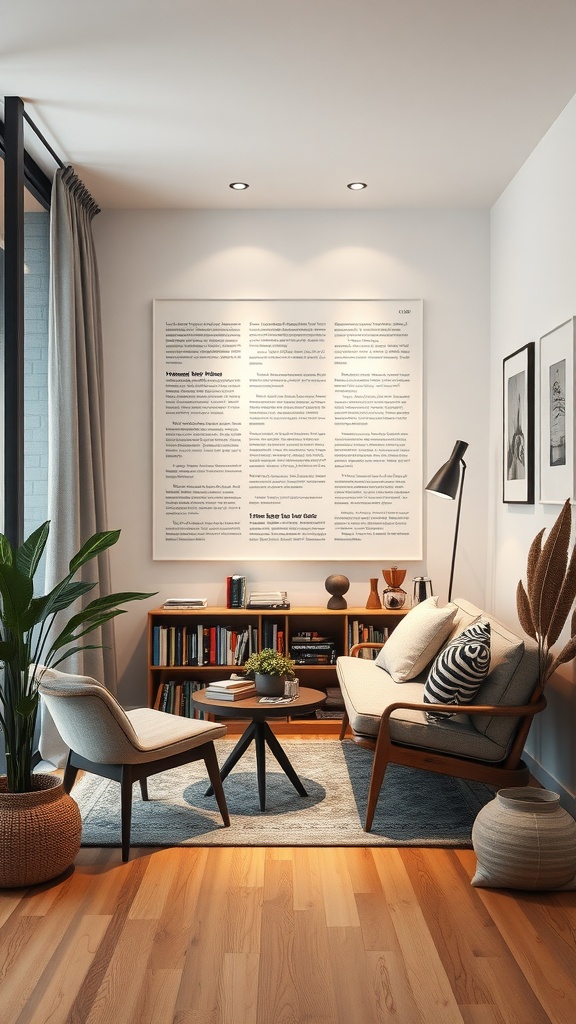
[269, 686]
[40, 832]
[524, 839]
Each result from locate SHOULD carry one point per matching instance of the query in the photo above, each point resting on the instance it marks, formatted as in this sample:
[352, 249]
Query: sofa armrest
[368, 644]
[383, 743]
[503, 710]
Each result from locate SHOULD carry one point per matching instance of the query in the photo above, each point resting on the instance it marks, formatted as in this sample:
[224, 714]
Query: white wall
[441, 257]
[533, 287]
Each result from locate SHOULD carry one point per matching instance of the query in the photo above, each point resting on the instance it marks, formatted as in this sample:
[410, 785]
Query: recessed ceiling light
[356, 186]
[238, 185]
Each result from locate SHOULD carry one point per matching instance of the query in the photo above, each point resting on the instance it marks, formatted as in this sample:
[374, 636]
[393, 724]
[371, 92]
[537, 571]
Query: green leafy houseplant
[545, 603]
[27, 642]
[270, 663]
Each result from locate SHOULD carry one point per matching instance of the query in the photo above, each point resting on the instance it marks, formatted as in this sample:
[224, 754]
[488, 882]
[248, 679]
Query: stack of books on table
[268, 599]
[231, 689]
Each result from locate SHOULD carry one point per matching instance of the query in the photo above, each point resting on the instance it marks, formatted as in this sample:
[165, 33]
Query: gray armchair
[126, 746]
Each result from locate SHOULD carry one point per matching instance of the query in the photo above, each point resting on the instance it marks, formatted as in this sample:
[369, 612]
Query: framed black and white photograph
[557, 414]
[518, 426]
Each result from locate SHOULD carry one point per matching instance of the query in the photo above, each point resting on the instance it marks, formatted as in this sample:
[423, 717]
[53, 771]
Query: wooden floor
[284, 936]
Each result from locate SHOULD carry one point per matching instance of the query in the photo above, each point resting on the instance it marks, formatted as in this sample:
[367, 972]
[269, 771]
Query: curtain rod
[43, 140]
[84, 194]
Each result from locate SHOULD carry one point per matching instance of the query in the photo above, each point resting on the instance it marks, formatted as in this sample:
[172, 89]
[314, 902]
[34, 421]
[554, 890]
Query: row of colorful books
[361, 633]
[273, 636]
[175, 697]
[198, 644]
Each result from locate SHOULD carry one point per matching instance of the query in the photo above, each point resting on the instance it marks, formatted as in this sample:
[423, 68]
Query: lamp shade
[445, 481]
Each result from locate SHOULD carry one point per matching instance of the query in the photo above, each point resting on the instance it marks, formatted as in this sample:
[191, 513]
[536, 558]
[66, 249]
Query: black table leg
[282, 758]
[235, 755]
[261, 764]
[261, 733]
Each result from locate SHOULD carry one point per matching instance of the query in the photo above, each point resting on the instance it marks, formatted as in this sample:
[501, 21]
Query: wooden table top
[307, 700]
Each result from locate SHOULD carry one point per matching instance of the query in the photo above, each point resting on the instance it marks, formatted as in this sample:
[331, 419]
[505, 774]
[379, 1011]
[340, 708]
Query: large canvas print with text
[287, 429]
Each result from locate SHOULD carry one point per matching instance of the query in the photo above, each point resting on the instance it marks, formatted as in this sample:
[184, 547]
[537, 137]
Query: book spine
[163, 645]
[164, 703]
[156, 645]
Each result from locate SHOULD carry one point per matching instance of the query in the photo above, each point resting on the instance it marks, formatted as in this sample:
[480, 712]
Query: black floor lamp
[446, 483]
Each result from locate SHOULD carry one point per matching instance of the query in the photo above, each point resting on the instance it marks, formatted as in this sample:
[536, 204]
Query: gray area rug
[416, 808]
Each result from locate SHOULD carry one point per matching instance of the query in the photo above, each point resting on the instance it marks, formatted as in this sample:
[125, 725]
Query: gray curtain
[76, 489]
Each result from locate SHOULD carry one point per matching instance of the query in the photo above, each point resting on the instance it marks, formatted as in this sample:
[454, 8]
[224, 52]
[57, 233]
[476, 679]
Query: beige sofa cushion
[416, 640]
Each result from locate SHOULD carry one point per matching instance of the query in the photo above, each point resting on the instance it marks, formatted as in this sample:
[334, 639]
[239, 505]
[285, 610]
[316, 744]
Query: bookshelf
[171, 639]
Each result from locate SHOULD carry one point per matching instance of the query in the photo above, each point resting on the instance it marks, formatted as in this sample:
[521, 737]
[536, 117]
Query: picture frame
[518, 398]
[557, 414]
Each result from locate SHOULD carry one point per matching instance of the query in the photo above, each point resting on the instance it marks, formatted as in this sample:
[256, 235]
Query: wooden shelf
[338, 625]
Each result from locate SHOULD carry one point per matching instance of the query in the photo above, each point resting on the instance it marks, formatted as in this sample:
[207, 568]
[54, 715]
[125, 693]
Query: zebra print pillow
[458, 670]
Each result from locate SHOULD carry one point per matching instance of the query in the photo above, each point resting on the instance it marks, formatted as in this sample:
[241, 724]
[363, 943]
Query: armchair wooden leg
[70, 773]
[144, 788]
[211, 762]
[344, 726]
[379, 766]
[126, 808]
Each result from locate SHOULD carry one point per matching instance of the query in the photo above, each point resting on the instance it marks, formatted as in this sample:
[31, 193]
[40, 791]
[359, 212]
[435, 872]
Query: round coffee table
[260, 732]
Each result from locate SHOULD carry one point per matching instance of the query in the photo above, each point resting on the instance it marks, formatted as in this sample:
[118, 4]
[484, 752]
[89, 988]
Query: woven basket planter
[40, 832]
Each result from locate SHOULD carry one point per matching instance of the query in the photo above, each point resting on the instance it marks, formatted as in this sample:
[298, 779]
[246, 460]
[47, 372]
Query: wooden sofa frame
[510, 772]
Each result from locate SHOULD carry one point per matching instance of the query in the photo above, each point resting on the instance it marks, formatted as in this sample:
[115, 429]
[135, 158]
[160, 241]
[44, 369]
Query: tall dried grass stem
[550, 571]
[524, 613]
[533, 559]
[564, 602]
[566, 654]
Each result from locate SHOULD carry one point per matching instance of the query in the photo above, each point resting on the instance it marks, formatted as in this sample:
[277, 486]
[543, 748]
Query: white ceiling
[162, 103]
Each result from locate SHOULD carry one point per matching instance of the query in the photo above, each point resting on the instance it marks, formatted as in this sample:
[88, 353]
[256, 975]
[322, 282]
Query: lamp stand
[462, 475]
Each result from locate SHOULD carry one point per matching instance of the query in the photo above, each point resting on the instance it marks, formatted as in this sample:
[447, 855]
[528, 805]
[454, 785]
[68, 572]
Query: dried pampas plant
[544, 605]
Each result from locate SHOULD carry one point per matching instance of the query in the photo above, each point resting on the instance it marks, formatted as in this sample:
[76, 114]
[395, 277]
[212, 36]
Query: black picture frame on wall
[518, 426]
[557, 403]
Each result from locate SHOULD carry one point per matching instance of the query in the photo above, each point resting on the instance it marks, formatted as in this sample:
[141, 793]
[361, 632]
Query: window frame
[20, 171]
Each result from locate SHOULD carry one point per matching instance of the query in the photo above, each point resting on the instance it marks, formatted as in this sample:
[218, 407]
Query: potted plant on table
[40, 825]
[270, 669]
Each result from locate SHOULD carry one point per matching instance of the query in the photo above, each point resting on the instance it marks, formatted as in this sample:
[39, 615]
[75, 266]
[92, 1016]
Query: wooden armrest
[496, 710]
[358, 647]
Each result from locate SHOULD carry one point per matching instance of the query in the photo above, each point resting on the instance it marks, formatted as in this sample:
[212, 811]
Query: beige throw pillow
[416, 640]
